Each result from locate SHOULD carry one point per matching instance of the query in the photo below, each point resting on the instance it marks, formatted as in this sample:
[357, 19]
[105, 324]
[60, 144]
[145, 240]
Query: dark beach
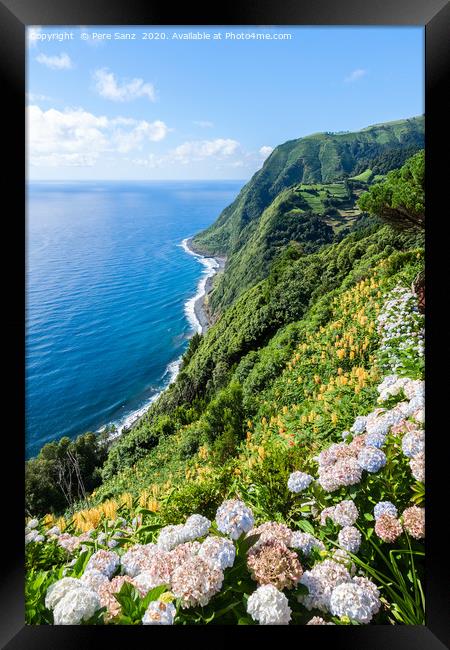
[200, 307]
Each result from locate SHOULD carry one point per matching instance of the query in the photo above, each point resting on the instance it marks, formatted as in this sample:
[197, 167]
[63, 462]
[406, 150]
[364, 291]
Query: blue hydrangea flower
[299, 481]
[385, 508]
[413, 443]
[371, 459]
[375, 440]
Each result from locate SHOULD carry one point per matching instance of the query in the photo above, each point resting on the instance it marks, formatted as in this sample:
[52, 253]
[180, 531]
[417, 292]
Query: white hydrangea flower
[171, 536]
[137, 558]
[159, 613]
[320, 581]
[371, 588]
[76, 606]
[318, 620]
[345, 513]
[354, 601]
[106, 562]
[33, 523]
[269, 606]
[31, 536]
[234, 518]
[55, 530]
[349, 539]
[94, 579]
[218, 549]
[417, 465]
[299, 481]
[414, 387]
[59, 589]
[196, 526]
[148, 580]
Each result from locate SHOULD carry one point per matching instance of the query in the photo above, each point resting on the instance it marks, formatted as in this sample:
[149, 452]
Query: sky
[102, 105]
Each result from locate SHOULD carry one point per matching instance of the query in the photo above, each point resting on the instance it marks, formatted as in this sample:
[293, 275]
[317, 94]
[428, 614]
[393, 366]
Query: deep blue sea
[108, 297]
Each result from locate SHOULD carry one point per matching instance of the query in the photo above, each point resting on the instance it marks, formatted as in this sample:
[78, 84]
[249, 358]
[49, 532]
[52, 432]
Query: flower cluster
[273, 563]
[371, 459]
[196, 581]
[171, 536]
[72, 601]
[299, 481]
[354, 600]
[234, 518]
[305, 542]
[105, 562]
[269, 606]
[159, 613]
[272, 530]
[413, 443]
[414, 521]
[384, 508]
[400, 326]
[219, 550]
[388, 528]
[349, 539]
[345, 513]
[320, 582]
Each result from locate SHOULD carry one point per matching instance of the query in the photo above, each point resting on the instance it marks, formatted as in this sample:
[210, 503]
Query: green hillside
[322, 158]
[318, 158]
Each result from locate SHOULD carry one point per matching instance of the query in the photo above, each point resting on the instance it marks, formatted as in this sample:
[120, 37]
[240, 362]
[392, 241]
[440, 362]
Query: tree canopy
[400, 198]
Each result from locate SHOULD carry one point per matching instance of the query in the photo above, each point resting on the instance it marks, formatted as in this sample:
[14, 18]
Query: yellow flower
[167, 597]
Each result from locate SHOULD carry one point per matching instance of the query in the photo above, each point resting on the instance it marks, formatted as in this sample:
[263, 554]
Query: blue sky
[206, 109]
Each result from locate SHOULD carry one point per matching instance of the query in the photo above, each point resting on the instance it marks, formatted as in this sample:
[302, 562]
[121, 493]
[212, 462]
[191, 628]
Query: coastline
[196, 307]
[198, 316]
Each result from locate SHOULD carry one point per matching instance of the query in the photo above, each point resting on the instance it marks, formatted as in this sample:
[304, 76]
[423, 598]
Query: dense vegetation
[321, 328]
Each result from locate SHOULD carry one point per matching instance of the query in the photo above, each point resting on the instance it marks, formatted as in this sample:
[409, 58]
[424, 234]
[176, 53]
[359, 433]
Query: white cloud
[36, 97]
[204, 124]
[128, 140]
[265, 151]
[61, 62]
[108, 86]
[77, 137]
[355, 75]
[201, 149]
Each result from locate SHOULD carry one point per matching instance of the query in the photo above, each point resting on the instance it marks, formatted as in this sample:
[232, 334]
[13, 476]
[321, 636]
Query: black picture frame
[15, 15]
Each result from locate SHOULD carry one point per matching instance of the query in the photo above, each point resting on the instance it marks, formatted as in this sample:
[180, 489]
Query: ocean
[110, 293]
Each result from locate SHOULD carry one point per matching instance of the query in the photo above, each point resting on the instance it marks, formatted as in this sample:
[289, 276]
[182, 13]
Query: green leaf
[247, 543]
[154, 594]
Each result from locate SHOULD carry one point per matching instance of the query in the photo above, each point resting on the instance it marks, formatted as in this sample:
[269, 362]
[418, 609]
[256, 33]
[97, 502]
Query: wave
[210, 268]
[128, 420]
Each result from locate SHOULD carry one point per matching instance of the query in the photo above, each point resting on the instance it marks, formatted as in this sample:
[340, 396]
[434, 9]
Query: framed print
[220, 334]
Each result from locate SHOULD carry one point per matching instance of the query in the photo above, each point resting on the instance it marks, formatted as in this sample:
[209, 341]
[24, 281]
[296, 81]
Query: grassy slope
[312, 395]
